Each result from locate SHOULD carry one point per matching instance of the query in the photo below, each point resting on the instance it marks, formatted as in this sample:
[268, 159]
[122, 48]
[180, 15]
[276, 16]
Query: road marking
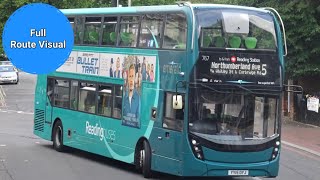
[301, 148]
[302, 153]
[2, 97]
[14, 111]
[256, 178]
[3, 145]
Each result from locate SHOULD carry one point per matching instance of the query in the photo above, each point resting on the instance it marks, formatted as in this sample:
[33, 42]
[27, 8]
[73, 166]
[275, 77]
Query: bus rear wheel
[145, 160]
[58, 137]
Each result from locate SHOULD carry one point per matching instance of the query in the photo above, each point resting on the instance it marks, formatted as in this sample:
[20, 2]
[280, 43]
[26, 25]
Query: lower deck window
[61, 93]
[87, 98]
[105, 100]
[94, 98]
[173, 119]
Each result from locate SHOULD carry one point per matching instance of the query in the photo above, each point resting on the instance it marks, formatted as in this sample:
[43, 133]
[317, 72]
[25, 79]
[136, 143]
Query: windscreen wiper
[213, 89]
[241, 87]
[224, 92]
[255, 138]
[248, 90]
[255, 91]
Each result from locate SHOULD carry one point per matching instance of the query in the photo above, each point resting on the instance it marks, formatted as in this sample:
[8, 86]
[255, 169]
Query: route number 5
[264, 70]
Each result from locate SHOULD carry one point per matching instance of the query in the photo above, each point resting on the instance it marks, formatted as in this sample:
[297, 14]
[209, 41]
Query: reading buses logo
[233, 59]
[100, 132]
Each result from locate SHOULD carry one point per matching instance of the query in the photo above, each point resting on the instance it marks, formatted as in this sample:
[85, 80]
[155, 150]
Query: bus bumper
[196, 167]
[262, 169]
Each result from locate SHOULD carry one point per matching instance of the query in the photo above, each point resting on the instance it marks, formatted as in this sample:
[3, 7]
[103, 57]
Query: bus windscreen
[236, 29]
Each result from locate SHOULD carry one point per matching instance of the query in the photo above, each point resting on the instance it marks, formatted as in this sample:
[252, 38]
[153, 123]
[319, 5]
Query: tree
[152, 2]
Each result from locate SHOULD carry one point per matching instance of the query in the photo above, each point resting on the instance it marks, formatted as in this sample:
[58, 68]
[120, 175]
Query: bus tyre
[58, 137]
[145, 160]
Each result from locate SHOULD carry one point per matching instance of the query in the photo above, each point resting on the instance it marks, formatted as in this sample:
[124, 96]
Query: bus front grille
[39, 120]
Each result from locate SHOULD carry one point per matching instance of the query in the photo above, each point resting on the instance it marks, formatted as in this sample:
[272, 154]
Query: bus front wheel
[58, 137]
[145, 160]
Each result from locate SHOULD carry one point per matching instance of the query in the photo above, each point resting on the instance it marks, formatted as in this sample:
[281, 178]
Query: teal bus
[184, 89]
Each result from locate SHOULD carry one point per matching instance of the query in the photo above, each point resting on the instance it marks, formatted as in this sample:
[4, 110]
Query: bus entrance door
[49, 100]
[48, 112]
[167, 151]
[168, 140]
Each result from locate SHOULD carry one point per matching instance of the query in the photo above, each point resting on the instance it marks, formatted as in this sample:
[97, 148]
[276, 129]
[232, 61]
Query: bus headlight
[275, 150]
[196, 148]
[194, 142]
[199, 156]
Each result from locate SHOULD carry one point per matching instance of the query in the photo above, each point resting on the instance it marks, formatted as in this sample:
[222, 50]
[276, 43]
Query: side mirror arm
[183, 85]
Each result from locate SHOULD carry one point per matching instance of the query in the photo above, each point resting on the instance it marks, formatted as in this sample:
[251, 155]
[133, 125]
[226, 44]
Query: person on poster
[131, 100]
[124, 70]
[117, 72]
[138, 76]
[144, 69]
[152, 73]
[111, 71]
[137, 62]
[148, 73]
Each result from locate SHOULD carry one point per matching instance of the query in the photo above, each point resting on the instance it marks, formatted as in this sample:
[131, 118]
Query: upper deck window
[109, 36]
[129, 29]
[151, 31]
[78, 37]
[236, 29]
[175, 34]
[91, 30]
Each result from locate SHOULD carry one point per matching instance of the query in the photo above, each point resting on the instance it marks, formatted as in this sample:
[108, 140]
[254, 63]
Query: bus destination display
[255, 69]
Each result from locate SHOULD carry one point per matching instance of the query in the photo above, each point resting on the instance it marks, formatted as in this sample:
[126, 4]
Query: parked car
[5, 63]
[9, 74]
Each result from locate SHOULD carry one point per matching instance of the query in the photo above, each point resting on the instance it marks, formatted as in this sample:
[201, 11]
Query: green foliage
[151, 2]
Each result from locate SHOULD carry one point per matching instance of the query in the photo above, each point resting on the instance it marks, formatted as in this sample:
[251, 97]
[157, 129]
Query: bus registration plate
[238, 172]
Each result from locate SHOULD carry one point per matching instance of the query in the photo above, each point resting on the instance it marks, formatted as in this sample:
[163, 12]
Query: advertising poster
[111, 65]
[136, 69]
[313, 104]
[133, 69]
[88, 63]
[71, 64]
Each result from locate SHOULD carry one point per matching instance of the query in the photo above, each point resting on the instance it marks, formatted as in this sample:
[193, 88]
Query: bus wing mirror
[177, 102]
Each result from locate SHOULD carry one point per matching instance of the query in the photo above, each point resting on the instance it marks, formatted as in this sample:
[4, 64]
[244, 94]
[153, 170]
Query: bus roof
[146, 9]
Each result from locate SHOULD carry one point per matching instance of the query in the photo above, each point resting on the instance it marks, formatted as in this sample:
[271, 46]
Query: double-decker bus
[186, 89]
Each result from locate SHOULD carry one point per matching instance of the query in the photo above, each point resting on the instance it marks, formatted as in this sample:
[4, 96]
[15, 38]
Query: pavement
[301, 136]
